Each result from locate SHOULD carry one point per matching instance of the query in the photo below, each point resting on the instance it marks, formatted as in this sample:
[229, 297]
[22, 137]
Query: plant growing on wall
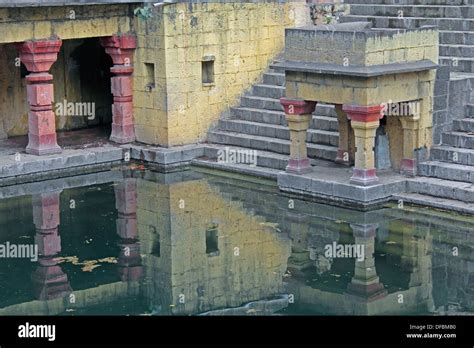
[326, 13]
[143, 12]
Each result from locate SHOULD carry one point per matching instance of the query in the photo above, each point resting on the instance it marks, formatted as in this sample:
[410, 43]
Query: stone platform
[89, 151]
[328, 183]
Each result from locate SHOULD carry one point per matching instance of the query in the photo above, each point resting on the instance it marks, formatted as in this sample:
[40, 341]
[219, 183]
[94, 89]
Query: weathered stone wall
[66, 22]
[363, 48]
[241, 38]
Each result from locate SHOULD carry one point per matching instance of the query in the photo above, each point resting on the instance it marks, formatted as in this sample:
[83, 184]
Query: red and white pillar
[38, 57]
[121, 49]
[364, 121]
[298, 114]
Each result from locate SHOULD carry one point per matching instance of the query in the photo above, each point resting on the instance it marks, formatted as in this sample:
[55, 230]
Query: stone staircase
[454, 158]
[259, 123]
[455, 19]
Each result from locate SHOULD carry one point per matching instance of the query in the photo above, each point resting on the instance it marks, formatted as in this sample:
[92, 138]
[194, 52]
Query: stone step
[452, 154]
[255, 102]
[315, 136]
[269, 144]
[464, 125]
[245, 169]
[273, 104]
[466, 51]
[265, 159]
[278, 118]
[430, 11]
[457, 24]
[460, 191]
[458, 63]
[458, 139]
[436, 202]
[325, 123]
[470, 110]
[275, 79]
[411, 2]
[452, 37]
[259, 115]
[268, 91]
[447, 171]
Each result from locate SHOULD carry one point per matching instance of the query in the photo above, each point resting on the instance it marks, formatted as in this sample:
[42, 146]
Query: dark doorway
[89, 62]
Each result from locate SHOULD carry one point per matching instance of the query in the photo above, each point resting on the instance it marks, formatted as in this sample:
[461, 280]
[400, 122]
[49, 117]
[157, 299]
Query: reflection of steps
[259, 124]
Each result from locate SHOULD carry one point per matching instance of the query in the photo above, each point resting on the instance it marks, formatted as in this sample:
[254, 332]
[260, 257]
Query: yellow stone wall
[242, 37]
[180, 214]
[66, 22]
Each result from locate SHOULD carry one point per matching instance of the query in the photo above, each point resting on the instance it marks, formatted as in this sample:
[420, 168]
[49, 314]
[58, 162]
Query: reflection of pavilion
[366, 294]
[408, 265]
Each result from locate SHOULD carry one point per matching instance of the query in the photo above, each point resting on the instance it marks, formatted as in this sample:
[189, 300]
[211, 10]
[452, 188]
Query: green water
[143, 243]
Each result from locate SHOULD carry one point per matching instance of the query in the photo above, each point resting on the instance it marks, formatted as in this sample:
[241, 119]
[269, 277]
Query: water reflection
[144, 243]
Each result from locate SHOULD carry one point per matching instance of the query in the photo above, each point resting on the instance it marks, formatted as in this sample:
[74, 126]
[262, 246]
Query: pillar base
[364, 177]
[300, 166]
[408, 167]
[52, 150]
[121, 140]
[340, 157]
[367, 292]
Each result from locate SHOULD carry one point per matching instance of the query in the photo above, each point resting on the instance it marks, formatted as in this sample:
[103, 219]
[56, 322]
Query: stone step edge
[282, 141]
[255, 171]
[424, 200]
[278, 126]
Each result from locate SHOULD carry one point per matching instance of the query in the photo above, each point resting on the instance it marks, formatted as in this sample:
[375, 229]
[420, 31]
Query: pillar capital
[120, 48]
[365, 114]
[39, 56]
[298, 106]
[410, 123]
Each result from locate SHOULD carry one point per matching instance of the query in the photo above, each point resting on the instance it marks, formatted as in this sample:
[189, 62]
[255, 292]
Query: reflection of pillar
[121, 49]
[410, 143]
[38, 57]
[298, 115]
[49, 281]
[364, 120]
[366, 284]
[299, 233]
[346, 147]
[129, 260]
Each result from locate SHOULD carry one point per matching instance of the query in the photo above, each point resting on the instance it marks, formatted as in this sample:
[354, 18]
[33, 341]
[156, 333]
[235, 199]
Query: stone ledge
[355, 70]
[69, 162]
[39, 3]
